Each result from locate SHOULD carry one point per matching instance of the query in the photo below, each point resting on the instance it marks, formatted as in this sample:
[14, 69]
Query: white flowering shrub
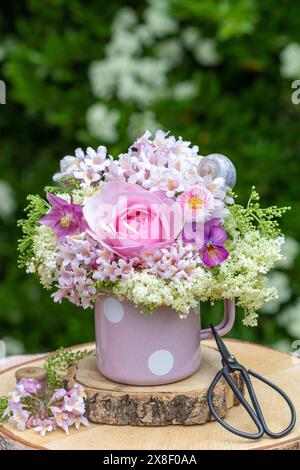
[221, 77]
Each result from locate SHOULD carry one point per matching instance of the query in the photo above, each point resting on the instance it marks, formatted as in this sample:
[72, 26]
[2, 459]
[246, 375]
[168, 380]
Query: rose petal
[112, 218]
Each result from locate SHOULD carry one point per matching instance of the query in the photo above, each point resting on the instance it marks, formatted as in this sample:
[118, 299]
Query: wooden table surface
[281, 368]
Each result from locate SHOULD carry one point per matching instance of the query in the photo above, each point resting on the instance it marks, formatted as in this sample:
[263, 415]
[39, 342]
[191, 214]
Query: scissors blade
[221, 346]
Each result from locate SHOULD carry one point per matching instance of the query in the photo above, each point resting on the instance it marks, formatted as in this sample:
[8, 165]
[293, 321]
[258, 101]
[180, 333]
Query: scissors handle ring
[256, 414]
[276, 435]
[238, 393]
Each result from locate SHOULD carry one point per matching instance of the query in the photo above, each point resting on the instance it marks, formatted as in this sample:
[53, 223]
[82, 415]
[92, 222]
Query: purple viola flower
[213, 252]
[65, 218]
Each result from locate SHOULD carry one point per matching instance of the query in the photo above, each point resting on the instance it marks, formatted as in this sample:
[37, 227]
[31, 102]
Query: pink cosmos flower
[126, 218]
[64, 218]
[197, 203]
[213, 252]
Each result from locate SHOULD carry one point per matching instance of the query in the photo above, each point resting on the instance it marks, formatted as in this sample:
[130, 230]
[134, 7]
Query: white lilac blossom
[290, 319]
[290, 250]
[203, 49]
[281, 282]
[158, 18]
[7, 200]
[205, 52]
[290, 60]
[140, 121]
[129, 71]
[185, 90]
[102, 122]
[219, 249]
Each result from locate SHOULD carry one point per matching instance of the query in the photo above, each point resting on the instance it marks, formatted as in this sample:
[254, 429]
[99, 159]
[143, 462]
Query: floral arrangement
[159, 225]
[36, 405]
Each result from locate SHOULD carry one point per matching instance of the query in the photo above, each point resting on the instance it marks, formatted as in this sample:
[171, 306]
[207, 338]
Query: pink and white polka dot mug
[150, 350]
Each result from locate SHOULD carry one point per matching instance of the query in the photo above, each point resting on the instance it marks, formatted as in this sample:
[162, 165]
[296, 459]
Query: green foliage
[3, 406]
[253, 216]
[57, 364]
[69, 184]
[37, 207]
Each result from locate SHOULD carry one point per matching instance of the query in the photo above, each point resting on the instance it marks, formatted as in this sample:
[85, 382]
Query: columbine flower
[197, 203]
[213, 252]
[64, 218]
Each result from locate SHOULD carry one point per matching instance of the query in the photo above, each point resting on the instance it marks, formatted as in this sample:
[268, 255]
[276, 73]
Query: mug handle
[227, 322]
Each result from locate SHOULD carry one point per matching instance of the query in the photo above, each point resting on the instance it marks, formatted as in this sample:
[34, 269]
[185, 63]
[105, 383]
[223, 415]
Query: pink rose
[127, 219]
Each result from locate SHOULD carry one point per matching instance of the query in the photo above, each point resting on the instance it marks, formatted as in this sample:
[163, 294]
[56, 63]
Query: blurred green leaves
[231, 18]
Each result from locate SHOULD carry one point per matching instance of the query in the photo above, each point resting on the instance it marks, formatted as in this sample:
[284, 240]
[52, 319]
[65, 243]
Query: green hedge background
[83, 73]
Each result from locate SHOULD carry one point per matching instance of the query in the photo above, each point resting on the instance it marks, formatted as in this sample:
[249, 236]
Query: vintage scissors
[230, 365]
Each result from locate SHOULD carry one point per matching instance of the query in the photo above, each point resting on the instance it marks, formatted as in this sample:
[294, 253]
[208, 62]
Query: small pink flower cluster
[163, 163]
[81, 260]
[33, 405]
[76, 259]
[179, 261]
[85, 167]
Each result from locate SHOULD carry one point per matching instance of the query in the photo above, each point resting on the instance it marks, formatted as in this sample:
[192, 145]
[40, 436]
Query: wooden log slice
[183, 402]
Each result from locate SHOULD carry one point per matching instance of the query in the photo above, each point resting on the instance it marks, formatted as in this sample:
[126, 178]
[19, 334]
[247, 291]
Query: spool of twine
[37, 373]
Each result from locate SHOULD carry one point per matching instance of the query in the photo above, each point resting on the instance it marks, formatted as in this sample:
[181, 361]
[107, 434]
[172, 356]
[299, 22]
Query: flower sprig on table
[83, 241]
[57, 364]
[47, 406]
[35, 405]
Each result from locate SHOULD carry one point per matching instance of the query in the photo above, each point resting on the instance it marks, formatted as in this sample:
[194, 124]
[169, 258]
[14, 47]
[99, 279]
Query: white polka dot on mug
[161, 362]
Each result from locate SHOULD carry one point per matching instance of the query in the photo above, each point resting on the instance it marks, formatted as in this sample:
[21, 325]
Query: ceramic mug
[136, 349]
